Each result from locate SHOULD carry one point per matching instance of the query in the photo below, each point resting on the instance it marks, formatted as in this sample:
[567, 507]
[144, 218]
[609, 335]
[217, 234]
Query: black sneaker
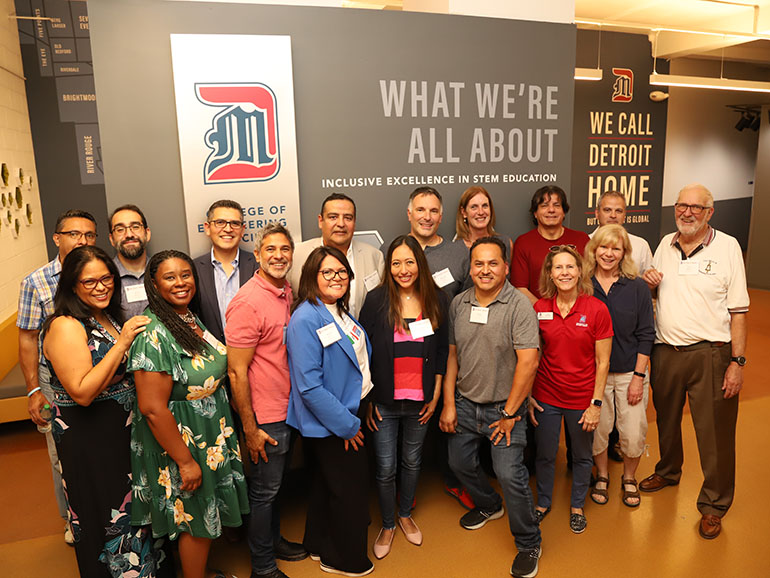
[289, 551]
[477, 517]
[525, 563]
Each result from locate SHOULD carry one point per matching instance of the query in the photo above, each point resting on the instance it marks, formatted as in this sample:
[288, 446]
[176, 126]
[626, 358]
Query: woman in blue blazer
[406, 320]
[329, 367]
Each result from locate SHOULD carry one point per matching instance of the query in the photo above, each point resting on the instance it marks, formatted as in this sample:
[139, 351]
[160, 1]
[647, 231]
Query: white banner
[237, 138]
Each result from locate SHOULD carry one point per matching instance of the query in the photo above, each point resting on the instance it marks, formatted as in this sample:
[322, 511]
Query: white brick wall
[18, 256]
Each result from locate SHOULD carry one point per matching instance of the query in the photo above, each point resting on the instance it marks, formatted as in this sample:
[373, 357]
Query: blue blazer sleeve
[325, 383]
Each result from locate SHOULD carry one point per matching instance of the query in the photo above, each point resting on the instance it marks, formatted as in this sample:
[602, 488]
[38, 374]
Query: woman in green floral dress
[187, 471]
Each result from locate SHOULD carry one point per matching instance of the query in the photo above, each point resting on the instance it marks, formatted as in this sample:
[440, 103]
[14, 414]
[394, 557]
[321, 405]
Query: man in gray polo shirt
[493, 357]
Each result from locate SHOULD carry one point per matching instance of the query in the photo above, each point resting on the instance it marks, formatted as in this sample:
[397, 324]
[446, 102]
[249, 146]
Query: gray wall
[339, 56]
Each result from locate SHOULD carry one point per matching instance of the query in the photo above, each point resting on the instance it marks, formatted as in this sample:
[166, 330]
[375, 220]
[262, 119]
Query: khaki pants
[631, 419]
[697, 373]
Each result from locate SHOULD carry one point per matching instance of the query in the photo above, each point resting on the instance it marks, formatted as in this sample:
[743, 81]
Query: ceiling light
[588, 73]
[708, 82]
[743, 122]
[755, 123]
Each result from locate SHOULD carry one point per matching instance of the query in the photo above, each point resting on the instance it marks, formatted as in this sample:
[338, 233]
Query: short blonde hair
[548, 287]
[461, 226]
[611, 234]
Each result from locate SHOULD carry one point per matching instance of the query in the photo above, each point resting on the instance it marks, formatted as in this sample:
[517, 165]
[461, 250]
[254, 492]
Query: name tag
[213, 341]
[135, 293]
[545, 315]
[479, 314]
[688, 267]
[372, 280]
[328, 334]
[443, 277]
[421, 328]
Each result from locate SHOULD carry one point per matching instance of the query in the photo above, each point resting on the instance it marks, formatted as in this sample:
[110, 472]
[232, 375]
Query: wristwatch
[740, 360]
[505, 414]
[597, 402]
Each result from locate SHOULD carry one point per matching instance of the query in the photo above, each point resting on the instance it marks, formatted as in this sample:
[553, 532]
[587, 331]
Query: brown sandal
[596, 492]
[634, 494]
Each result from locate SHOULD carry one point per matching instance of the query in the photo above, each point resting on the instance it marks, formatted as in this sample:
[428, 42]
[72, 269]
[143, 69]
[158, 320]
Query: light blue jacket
[325, 381]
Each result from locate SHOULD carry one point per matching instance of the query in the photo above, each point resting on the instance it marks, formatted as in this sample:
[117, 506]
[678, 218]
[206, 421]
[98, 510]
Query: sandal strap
[604, 479]
[630, 482]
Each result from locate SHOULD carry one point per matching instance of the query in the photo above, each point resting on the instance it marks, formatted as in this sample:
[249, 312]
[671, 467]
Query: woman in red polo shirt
[576, 339]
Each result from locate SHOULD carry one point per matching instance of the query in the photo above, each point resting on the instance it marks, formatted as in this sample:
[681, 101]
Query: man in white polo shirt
[611, 210]
[702, 303]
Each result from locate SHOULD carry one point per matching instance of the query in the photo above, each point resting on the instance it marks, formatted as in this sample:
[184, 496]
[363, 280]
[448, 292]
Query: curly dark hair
[67, 303]
[186, 337]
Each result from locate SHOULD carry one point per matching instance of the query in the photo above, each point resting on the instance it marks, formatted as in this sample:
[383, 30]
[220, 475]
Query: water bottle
[46, 414]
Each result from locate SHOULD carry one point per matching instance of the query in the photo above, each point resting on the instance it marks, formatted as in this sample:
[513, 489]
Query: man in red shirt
[549, 206]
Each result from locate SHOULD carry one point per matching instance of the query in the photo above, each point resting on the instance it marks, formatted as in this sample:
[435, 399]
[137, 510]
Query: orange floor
[657, 539]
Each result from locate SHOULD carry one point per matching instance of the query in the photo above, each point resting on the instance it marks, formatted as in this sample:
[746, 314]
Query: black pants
[338, 509]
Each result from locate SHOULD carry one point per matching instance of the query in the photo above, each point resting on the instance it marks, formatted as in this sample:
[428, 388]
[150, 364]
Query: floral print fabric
[93, 443]
[199, 404]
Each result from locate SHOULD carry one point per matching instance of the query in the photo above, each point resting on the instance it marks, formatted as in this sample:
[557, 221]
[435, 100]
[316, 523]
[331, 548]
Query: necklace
[187, 317]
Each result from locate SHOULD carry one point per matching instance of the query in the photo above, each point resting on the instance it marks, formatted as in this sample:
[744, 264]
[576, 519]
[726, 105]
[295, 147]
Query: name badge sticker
[479, 315]
[372, 280]
[328, 334]
[421, 328]
[135, 293]
[443, 277]
[545, 315]
[688, 267]
[209, 338]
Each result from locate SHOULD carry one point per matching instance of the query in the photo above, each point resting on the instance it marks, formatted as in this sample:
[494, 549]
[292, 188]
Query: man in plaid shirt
[73, 229]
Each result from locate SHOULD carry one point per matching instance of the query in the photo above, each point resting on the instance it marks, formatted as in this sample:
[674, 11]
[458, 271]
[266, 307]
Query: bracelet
[31, 392]
[640, 374]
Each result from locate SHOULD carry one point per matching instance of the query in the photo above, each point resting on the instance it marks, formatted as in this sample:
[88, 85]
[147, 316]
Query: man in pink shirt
[257, 318]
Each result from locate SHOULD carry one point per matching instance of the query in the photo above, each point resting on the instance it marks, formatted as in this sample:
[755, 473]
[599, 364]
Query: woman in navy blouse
[614, 276]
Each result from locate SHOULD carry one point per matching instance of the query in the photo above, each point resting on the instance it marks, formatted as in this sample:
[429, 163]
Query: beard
[131, 252]
[689, 229]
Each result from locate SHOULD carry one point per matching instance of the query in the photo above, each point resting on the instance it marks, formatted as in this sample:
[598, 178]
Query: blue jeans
[406, 414]
[547, 436]
[473, 420]
[264, 483]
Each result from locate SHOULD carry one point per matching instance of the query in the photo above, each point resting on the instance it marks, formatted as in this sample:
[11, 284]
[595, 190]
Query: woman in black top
[406, 320]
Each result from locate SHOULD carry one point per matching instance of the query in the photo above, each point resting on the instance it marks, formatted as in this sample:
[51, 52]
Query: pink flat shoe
[412, 537]
[382, 550]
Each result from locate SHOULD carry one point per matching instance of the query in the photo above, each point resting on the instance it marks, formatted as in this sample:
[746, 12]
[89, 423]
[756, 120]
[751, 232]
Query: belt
[696, 346]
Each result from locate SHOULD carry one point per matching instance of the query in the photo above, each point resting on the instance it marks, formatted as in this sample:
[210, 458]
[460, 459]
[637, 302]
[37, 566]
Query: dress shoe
[289, 551]
[382, 550]
[710, 526]
[413, 537]
[655, 482]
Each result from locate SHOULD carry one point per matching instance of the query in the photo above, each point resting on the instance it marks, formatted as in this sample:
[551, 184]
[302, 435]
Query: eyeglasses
[330, 274]
[77, 235]
[133, 227]
[90, 284]
[221, 224]
[557, 248]
[694, 209]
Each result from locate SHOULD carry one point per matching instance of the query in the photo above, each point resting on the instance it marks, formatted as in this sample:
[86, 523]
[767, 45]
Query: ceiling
[736, 30]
